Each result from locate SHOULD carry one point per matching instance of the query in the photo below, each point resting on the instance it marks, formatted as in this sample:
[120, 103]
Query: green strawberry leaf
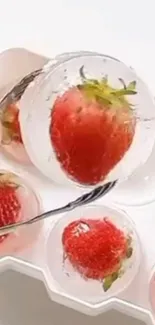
[123, 92]
[82, 74]
[129, 252]
[108, 281]
[122, 82]
[105, 101]
[132, 85]
[105, 80]
[129, 240]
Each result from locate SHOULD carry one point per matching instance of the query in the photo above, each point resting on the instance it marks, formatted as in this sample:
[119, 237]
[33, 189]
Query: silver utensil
[17, 91]
[82, 200]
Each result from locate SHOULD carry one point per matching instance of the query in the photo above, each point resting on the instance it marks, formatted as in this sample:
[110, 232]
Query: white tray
[14, 64]
[24, 301]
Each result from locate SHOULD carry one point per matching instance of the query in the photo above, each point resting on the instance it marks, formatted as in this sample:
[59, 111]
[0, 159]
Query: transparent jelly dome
[69, 280]
[62, 74]
[18, 203]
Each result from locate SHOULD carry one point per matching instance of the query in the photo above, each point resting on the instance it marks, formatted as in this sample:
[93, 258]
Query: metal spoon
[82, 200]
[17, 91]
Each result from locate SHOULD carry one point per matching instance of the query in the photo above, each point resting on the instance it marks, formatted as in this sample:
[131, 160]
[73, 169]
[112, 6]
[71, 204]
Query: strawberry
[96, 248]
[9, 203]
[92, 126]
[10, 123]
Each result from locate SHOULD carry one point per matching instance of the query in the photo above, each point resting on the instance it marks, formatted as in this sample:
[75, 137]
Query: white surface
[48, 27]
[125, 30]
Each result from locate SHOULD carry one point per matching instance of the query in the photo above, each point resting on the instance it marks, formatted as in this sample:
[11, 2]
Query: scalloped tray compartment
[31, 260]
[26, 309]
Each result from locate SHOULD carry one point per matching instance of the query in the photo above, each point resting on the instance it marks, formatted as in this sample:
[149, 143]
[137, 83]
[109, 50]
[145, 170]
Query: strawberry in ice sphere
[10, 206]
[96, 249]
[18, 202]
[92, 127]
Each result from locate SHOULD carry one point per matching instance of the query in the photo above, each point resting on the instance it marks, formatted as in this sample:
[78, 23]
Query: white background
[125, 29]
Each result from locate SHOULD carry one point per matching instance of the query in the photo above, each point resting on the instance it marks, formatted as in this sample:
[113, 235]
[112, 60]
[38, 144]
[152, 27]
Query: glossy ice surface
[68, 279]
[30, 207]
[58, 76]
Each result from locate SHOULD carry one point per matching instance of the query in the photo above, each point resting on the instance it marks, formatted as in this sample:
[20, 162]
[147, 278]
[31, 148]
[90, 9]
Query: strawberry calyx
[9, 179]
[110, 279]
[104, 94]
[10, 123]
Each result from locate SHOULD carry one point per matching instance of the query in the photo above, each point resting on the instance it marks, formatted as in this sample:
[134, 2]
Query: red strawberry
[92, 126]
[9, 203]
[95, 248]
[10, 123]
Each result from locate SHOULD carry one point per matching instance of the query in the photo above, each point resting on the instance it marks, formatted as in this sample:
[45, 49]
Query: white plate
[31, 260]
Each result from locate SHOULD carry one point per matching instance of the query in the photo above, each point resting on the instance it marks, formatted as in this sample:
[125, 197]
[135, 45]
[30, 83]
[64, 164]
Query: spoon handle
[82, 200]
[17, 91]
